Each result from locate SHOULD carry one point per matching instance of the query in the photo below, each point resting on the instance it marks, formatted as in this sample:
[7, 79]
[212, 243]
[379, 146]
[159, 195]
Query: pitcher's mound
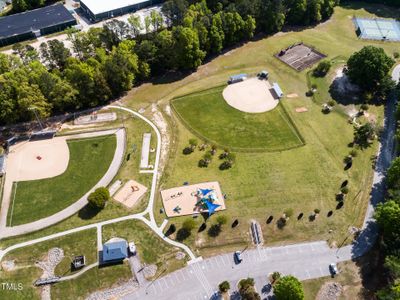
[252, 96]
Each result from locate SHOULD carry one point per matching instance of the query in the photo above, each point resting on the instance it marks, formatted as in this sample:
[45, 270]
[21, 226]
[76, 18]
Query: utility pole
[33, 108]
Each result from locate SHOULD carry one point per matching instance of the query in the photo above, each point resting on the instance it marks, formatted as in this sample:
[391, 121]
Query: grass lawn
[150, 248]
[135, 128]
[89, 161]
[303, 179]
[81, 243]
[210, 117]
[91, 281]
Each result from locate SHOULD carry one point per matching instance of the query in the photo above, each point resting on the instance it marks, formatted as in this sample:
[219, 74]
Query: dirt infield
[182, 200]
[130, 193]
[299, 56]
[252, 96]
[38, 159]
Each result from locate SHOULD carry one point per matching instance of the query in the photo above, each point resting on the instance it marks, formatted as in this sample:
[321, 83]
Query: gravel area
[162, 125]
[330, 291]
[180, 255]
[48, 265]
[8, 265]
[150, 271]
[115, 292]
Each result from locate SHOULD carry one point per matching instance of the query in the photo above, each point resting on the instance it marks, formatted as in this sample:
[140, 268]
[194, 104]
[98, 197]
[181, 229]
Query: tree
[364, 134]
[393, 174]
[288, 288]
[99, 197]
[187, 53]
[322, 69]
[369, 68]
[247, 291]
[275, 277]
[175, 11]
[193, 143]
[388, 218]
[136, 22]
[189, 224]
[224, 286]
[297, 11]
[55, 54]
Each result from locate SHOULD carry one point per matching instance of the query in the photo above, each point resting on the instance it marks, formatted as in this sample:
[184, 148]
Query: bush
[353, 153]
[348, 159]
[225, 165]
[288, 212]
[214, 230]
[193, 143]
[396, 55]
[99, 197]
[317, 210]
[187, 151]
[189, 224]
[224, 286]
[331, 103]
[322, 69]
[222, 219]
[364, 107]
[275, 276]
[344, 190]
[202, 163]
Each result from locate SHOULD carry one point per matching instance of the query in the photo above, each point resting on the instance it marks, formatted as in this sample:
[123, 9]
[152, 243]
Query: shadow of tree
[88, 212]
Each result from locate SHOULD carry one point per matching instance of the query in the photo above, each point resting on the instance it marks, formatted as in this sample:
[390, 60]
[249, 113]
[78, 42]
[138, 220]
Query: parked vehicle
[132, 248]
[333, 269]
[238, 257]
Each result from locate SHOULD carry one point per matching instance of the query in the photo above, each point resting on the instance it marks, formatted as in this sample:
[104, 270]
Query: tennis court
[377, 29]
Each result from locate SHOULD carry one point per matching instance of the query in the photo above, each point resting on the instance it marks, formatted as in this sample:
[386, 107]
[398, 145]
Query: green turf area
[91, 281]
[150, 248]
[89, 161]
[81, 243]
[212, 119]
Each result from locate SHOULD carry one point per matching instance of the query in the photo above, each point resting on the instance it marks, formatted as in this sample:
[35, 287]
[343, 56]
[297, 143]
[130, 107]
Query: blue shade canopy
[211, 207]
[205, 192]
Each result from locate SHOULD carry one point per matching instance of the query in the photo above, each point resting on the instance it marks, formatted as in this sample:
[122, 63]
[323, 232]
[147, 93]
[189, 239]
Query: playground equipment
[207, 197]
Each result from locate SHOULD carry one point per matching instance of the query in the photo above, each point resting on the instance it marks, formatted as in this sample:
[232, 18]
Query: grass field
[150, 248]
[305, 178]
[82, 243]
[89, 161]
[212, 119]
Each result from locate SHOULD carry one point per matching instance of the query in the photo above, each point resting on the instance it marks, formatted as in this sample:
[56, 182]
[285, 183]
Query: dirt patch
[162, 125]
[330, 291]
[293, 95]
[252, 96]
[301, 109]
[8, 265]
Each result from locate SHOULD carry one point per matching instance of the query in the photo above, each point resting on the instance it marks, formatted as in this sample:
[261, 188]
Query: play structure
[193, 199]
[131, 193]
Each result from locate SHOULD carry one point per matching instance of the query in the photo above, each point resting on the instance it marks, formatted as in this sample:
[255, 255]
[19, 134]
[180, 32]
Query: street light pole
[36, 115]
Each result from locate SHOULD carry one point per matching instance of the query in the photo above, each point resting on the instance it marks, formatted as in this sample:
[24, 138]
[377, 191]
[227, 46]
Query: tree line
[106, 62]
[24, 5]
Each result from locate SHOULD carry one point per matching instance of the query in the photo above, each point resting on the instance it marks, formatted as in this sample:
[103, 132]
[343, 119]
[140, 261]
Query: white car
[132, 247]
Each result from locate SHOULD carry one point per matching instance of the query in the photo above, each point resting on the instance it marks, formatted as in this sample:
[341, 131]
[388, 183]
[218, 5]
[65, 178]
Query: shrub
[322, 69]
[193, 143]
[222, 219]
[353, 153]
[99, 197]
[289, 287]
[225, 165]
[331, 103]
[314, 86]
[288, 212]
[364, 107]
[189, 224]
[202, 163]
[224, 286]
[348, 159]
[344, 190]
[396, 55]
[275, 276]
[317, 210]
[187, 151]
[214, 230]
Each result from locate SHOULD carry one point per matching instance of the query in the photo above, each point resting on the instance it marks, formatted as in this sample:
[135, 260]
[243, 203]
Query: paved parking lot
[200, 280]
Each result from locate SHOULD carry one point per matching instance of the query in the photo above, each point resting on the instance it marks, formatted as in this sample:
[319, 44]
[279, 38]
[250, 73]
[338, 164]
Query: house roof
[33, 20]
[102, 6]
[115, 250]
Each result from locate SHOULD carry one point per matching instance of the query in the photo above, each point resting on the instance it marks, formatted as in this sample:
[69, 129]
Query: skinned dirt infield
[130, 193]
[185, 199]
[251, 96]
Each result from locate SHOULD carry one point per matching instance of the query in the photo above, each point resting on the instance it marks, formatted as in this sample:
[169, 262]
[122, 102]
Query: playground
[193, 199]
[131, 193]
[252, 95]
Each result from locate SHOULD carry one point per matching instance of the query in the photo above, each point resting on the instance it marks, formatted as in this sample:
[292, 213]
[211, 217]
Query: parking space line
[165, 283]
